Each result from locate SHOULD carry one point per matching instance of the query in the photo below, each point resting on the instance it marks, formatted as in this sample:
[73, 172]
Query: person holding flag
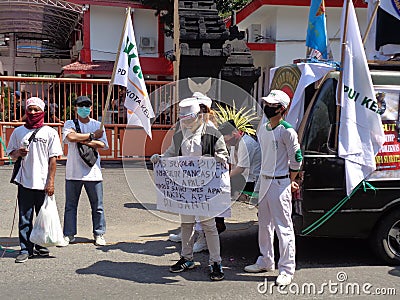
[78, 174]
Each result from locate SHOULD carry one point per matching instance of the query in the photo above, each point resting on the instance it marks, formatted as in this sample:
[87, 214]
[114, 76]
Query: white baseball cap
[189, 108]
[202, 99]
[277, 96]
[35, 101]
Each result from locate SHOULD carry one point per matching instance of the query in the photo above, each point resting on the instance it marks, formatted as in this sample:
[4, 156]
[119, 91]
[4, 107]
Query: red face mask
[34, 120]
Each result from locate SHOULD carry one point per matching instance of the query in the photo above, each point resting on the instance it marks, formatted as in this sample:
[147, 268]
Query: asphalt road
[134, 264]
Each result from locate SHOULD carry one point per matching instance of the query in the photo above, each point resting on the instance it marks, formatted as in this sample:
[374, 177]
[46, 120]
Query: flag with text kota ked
[129, 74]
[360, 133]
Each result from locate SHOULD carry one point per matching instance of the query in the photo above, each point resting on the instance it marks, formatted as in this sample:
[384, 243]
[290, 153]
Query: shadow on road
[238, 249]
[395, 271]
[239, 244]
[153, 248]
[148, 273]
[145, 206]
[132, 271]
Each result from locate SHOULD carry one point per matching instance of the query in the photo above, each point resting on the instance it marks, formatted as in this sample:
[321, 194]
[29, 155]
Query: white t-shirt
[248, 157]
[35, 165]
[280, 149]
[76, 168]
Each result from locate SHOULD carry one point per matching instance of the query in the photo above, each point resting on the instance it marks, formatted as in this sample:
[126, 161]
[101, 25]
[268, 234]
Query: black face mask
[271, 111]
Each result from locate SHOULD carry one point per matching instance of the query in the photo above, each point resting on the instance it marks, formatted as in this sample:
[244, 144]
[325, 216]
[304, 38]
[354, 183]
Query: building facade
[276, 30]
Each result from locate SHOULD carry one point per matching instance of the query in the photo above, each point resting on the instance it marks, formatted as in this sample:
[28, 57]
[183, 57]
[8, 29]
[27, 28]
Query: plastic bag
[47, 231]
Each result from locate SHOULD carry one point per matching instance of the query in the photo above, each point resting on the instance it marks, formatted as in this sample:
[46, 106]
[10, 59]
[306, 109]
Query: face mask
[34, 120]
[270, 111]
[83, 112]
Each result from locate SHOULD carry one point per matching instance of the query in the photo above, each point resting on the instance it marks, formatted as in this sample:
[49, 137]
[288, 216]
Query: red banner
[388, 157]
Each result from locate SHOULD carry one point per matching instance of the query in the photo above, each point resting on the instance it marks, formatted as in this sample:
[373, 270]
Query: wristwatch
[91, 136]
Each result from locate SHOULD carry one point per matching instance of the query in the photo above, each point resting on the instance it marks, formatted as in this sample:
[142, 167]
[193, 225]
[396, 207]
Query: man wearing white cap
[196, 138]
[38, 147]
[281, 162]
[200, 245]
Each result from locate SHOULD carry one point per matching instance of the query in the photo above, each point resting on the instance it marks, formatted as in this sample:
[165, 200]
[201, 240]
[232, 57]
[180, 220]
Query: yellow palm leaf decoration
[241, 118]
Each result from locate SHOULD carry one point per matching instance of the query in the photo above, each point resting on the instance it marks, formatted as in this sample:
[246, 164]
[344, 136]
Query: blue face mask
[83, 112]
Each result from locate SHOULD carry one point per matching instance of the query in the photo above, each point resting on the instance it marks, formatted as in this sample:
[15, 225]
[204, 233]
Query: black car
[322, 207]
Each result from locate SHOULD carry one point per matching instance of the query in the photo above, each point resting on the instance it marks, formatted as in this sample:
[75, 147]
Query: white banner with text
[197, 186]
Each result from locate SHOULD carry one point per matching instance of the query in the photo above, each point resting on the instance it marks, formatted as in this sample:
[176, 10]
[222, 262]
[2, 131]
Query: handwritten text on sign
[192, 185]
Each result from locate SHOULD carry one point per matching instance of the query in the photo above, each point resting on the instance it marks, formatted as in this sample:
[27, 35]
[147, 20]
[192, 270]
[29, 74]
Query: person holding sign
[197, 138]
[209, 118]
[281, 161]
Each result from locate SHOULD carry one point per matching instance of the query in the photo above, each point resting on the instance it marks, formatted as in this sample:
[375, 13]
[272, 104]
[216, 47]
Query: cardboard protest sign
[192, 186]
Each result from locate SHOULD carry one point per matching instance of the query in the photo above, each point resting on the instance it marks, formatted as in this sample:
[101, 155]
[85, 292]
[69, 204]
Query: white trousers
[210, 231]
[274, 213]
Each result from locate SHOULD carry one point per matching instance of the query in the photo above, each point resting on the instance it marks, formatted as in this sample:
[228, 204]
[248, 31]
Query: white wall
[288, 26]
[106, 24]
[146, 25]
[333, 27]
[291, 24]
[265, 60]
[105, 31]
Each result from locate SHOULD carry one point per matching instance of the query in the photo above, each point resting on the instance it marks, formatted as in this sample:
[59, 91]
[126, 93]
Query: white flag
[129, 74]
[360, 133]
[386, 51]
[310, 73]
[392, 7]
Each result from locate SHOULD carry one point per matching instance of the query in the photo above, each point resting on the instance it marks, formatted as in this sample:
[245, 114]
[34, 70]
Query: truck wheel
[385, 241]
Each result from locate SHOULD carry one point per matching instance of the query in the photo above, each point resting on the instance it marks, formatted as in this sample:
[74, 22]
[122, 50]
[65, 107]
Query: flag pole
[340, 81]
[370, 21]
[110, 85]
[177, 49]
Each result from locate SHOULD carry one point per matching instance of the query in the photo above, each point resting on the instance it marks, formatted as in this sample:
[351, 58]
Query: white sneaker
[99, 240]
[257, 269]
[201, 243]
[67, 240]
[177, 238]
[284, 279]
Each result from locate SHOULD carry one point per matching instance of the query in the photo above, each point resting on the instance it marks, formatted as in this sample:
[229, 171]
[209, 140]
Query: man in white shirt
[79, 174]
[281, 162]
[35, 178]
[245, 158]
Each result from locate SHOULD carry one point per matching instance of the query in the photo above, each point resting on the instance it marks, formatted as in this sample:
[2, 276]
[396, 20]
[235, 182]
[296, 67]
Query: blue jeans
[28, 200]
[94, 190]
